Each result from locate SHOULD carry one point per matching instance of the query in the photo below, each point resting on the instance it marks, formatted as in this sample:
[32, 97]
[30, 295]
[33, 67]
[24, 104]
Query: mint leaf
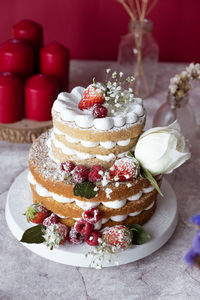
[149, 176]
[130, 154]
[85, 189]
[140, 236]
[33, 235]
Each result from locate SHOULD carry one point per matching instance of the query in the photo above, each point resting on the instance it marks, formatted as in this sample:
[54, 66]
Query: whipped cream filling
[118, 218]
[82, 155]
[66, 106]
[85, 205]
[88, 144]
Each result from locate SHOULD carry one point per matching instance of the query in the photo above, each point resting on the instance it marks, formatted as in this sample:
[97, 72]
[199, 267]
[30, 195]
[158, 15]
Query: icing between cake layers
[89, 144]
[65, 109]
[85, 205]
[81, 155]
[116, 218]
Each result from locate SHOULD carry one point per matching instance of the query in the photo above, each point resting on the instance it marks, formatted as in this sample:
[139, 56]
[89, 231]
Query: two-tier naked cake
[86, 160]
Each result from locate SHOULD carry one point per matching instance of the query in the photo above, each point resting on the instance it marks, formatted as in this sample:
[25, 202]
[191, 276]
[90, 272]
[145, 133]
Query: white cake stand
[160, 227]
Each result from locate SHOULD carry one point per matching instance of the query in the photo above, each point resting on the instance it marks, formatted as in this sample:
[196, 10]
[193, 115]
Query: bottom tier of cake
[132, 202]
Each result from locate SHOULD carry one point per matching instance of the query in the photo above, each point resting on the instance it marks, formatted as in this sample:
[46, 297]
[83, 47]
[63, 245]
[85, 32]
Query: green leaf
[140, 236]
[149, 176]
[130, 154]
[33, 235]
[85, 189]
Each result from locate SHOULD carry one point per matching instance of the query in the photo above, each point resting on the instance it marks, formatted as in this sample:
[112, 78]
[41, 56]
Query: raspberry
[75, 237]
[124, 169]
[119, 236]
[67, 167]
[52, 219]
[56, 234]
[94, 175]
[83, 227]
[99, 111]
[80, 174]
[92, 215]
[92, 238]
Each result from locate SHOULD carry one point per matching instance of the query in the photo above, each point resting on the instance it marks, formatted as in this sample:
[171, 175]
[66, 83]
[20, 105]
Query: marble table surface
[162, 275]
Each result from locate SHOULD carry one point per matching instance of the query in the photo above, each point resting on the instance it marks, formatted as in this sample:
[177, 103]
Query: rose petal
[152, 147]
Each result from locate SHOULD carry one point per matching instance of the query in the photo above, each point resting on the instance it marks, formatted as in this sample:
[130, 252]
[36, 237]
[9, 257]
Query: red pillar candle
[17, 57]
[54, 61]
[27, 30]
[11, 98]
[40, 92]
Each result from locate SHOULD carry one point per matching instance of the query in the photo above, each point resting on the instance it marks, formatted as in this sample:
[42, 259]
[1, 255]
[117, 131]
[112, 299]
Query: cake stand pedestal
[161, 226]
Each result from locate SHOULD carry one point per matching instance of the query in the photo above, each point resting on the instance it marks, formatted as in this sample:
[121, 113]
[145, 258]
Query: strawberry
[55, 234]
[91, 96]
[126, 168]
[119, 236]
[36, 213]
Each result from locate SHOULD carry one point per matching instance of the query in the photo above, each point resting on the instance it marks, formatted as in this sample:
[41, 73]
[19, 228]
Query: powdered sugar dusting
[41, 160]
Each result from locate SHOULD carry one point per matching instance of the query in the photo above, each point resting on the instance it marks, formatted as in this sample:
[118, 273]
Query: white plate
[160, 227]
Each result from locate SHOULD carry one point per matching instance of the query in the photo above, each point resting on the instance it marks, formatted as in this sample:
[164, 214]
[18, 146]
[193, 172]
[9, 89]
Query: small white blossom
[114, 75]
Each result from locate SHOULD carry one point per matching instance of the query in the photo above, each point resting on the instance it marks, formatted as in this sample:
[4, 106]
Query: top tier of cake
[80, 137]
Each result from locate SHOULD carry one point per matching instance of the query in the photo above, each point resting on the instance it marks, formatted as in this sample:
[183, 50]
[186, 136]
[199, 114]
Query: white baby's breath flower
[114, 75]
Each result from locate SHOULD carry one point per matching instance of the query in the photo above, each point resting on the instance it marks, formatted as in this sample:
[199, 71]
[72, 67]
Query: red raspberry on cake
[36, 213]
[92, 215]
[75, 238]
[96, 173]
[83, 227]
[91, 96]
[80, 174]
[92, 238]
[119, 236]
[52, 219]
[67, 167]
[126, 168]
[56, 234]
[99, 111]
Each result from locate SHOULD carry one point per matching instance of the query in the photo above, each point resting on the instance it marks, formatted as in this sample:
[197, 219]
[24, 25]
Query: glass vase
[138, 56]
[180, 110]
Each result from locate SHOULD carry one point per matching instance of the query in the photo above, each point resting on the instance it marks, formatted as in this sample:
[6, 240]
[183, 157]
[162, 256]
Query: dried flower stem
[151, 7]
[138, 10]
[128, 10]
[180, 83]
[144, 8]
[138, 7]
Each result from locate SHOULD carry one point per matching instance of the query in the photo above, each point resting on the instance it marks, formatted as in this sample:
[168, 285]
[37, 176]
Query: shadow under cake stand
[161, 226]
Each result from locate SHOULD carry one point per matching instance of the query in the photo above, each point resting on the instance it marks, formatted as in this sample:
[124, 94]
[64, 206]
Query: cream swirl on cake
[65, 108]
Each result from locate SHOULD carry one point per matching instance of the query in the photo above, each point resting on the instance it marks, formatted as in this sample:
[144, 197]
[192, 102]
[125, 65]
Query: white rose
[162, 149]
